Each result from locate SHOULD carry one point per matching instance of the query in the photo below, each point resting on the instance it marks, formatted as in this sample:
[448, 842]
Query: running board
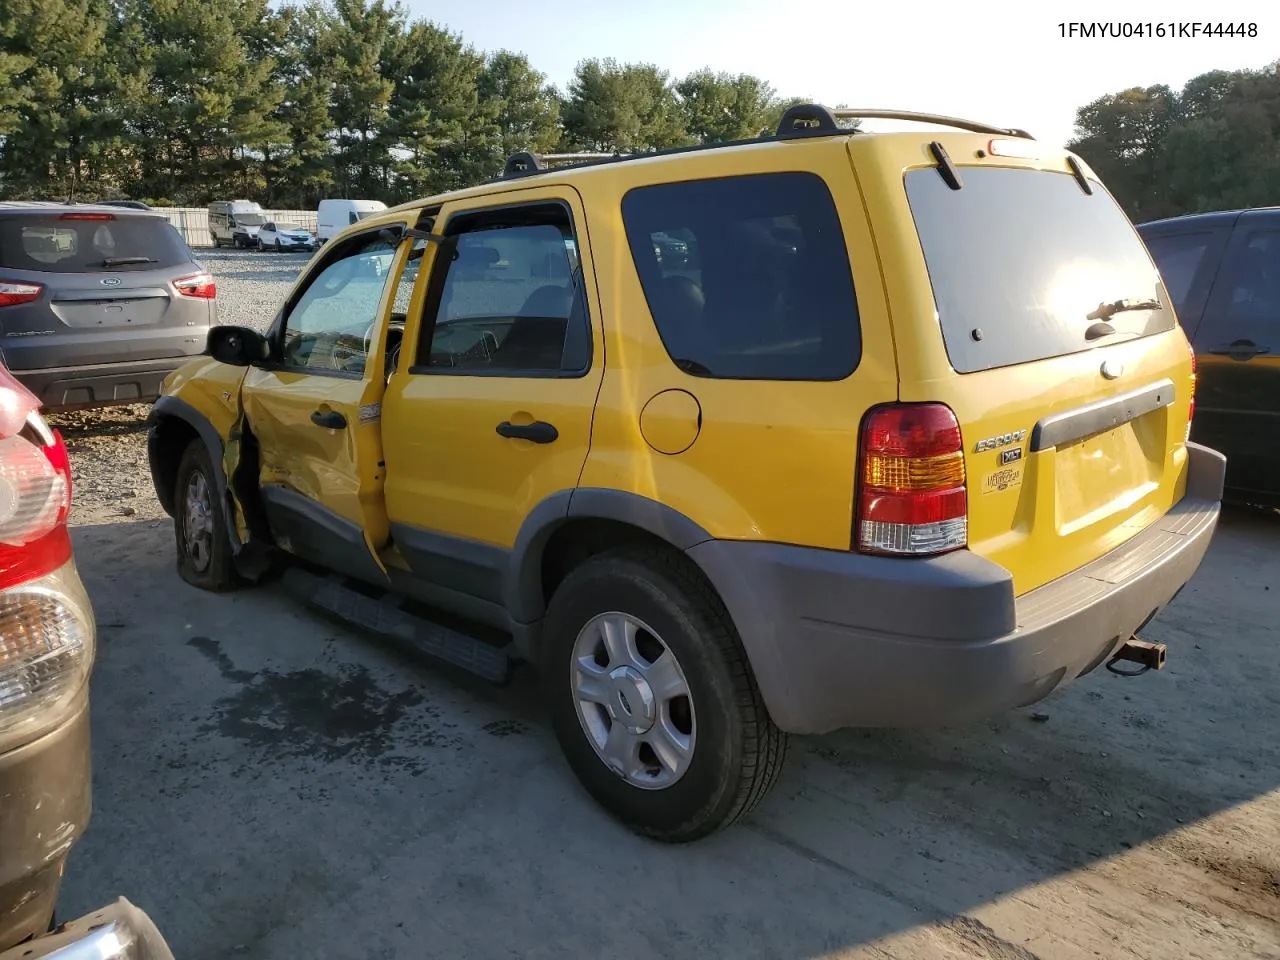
[384, 616]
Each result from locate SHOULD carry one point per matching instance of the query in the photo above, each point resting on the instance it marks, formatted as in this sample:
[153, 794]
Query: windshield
[58, 244]
[1018, 259]
[249, 219]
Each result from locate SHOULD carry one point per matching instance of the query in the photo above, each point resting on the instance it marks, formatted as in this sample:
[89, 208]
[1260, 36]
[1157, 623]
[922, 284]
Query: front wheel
[200, 525]
[652, 698]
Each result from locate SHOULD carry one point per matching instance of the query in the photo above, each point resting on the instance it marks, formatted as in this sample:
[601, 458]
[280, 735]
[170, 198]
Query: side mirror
[238, 346]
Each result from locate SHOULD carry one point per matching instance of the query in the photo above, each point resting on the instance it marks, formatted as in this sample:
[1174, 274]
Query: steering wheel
[368, 338]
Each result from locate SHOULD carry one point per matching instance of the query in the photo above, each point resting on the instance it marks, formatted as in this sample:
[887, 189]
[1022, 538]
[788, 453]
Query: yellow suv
[824, 429]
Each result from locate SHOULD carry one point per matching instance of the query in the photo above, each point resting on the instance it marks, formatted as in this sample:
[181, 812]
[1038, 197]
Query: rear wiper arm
[123, 261]
[1107, 310]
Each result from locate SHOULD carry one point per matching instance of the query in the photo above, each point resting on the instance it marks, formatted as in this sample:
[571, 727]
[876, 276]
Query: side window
[747, 277]
[328, 328]
[1179, 257]
[271, 227]
[512, 299]
[1254, 291]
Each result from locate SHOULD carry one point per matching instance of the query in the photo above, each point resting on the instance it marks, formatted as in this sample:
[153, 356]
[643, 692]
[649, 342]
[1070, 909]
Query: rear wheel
[200, 526]
[652, 699]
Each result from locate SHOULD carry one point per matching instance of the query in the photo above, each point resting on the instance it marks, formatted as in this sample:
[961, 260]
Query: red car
[47, 641]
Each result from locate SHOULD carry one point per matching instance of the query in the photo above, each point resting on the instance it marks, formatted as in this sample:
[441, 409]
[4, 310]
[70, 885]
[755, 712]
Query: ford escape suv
[819, 430]
[98, 303]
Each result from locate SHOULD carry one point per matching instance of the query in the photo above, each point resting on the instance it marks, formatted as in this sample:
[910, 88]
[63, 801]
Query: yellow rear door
[1026, 302]
[315, 410]
[492, 412]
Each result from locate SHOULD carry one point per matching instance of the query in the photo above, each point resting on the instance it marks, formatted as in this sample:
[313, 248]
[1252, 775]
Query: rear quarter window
[1180, 257]
[1018, 259]
[747, 277]
[54, 244]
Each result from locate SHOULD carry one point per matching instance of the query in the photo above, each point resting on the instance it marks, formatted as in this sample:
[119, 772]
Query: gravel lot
[269, 784]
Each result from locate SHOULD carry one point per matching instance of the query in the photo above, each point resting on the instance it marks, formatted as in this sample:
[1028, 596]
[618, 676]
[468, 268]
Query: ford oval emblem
[1112, 369]
[111, 281]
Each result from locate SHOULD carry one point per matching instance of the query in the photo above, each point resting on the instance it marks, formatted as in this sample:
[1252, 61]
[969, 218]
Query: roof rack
[815, 120]
[523, 164]
[800, 120]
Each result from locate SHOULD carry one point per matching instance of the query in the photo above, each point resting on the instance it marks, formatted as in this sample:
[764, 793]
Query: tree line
[184, 101]
[1213, 145]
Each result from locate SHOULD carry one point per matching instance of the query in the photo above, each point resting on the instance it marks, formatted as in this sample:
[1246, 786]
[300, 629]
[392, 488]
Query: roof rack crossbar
[936, 118]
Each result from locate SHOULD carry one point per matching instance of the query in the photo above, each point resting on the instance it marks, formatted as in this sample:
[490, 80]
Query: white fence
[193, 222]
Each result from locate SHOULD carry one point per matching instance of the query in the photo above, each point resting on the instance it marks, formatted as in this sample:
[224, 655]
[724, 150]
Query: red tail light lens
[13, 293]
[88, 216]
[201, 285]
[35, 489]
[912, 499]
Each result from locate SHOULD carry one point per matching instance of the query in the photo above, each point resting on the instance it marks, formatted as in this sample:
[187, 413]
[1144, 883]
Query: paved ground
[271, 785]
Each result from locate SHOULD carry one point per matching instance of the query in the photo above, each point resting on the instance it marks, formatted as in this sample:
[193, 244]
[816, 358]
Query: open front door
[315, 410]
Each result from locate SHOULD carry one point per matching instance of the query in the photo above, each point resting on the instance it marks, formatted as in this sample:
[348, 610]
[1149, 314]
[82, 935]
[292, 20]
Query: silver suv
[98, 303]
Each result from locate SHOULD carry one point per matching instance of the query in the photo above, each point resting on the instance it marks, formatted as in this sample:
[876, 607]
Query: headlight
[118, 932]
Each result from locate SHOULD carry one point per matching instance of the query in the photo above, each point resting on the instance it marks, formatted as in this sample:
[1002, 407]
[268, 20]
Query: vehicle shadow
[114, 421]
[271, 784]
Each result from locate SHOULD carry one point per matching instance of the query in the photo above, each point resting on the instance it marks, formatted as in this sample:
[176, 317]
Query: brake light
[200, 285]
[35, 489]
[1191, 407]
[88, 216]
[911, 498]
[13, 293]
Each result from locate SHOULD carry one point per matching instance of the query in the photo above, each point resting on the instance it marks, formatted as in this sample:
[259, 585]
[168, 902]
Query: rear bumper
[844, 640]
[44, 808]
[99, 384]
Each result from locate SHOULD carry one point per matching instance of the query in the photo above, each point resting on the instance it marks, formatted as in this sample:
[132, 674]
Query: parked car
[1222, 271]
[907, 447]
[47, 646]
[235, 223]
[282, 236]
[334, 216]
[98, 304]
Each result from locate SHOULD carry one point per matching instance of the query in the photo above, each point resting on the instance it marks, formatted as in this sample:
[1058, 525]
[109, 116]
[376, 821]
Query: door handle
[1240, 350]
[537, 431]
[331, 419]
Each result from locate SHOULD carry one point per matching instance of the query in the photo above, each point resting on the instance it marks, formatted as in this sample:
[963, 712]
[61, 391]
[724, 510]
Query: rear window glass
[57, 245]
[747, 277]
[1019, 258]
[1179, 257]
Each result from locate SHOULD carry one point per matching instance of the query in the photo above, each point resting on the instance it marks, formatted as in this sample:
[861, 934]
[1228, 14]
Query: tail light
[911, 497]
[13, 293]
[200, 285]
[46, 621]
[1191, 407]
[87, 216]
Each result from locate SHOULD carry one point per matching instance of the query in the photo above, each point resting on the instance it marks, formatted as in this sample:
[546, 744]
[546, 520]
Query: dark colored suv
[1222, 271]
[98, 303]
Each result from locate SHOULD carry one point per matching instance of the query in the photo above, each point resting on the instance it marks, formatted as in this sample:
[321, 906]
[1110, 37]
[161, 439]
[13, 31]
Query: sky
[997, 62]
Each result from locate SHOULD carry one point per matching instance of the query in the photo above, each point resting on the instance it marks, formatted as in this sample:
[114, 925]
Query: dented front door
[314, 412]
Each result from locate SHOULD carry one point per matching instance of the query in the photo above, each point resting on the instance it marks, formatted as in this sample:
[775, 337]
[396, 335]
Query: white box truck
[334, 216]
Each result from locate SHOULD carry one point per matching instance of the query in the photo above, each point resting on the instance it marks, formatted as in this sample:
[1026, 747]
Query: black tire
[738, 752]
[212, 568]
[279, 249]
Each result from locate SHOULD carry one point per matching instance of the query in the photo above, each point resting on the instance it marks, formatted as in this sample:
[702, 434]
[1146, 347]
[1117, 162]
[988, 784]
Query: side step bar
[383, 616]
